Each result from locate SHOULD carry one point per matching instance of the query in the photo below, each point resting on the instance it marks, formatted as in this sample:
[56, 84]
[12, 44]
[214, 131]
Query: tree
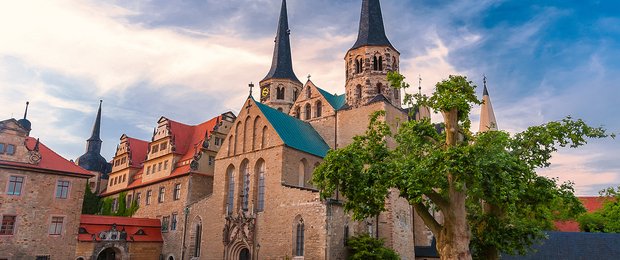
[91, 203]
[606, 219]
[122, 210]
[485, 182]
[364, 247]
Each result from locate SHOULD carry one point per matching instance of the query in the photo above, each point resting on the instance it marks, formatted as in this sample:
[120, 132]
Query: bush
[364, 247]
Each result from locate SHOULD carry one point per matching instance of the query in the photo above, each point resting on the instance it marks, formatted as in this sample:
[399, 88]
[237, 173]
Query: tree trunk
[453, 239]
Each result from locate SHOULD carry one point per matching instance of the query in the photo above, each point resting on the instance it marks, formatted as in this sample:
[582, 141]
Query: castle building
[41, 197]
[92, 160]
[165, 178]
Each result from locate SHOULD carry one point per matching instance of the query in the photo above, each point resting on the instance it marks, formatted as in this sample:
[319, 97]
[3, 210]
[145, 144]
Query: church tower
[280, 88]
[369, 60]
[487, 115]
[92, 160]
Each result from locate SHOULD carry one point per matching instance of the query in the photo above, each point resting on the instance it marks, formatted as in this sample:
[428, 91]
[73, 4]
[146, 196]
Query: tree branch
[428, 219]
[438, 200]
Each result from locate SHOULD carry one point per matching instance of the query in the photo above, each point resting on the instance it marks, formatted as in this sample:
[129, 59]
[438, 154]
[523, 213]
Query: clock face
[265, 92]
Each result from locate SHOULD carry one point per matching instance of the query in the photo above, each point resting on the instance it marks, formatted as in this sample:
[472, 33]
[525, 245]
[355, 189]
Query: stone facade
[41, 198]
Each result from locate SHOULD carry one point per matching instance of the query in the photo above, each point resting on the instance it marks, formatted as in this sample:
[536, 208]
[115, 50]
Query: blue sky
[191, 60]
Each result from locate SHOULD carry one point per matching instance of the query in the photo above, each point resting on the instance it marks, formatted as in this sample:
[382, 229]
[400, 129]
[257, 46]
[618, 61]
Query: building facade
[167, 176]
[41, 197]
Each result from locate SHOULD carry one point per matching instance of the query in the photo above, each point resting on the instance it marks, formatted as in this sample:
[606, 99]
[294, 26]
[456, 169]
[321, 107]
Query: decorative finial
[251, 85]
[26, 111]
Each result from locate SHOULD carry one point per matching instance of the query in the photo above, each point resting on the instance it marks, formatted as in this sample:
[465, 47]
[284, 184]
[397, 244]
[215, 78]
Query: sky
[191, 60]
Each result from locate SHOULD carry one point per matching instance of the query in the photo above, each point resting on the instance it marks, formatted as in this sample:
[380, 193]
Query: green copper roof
[336, 101]
[295, 133]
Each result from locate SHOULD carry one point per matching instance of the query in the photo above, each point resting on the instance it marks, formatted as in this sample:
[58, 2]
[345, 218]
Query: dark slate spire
[282, 63]
[95, 136]
[25, 123]
[372, 31]
[485, 92]
[92, 159]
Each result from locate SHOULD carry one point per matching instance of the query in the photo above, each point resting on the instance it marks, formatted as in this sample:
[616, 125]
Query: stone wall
[34, 210]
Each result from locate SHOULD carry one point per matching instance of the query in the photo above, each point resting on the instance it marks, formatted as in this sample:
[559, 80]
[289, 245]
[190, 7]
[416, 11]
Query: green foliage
[122, 210]
[508, 204]
[91, 203]
[364, 247]
[606, 219]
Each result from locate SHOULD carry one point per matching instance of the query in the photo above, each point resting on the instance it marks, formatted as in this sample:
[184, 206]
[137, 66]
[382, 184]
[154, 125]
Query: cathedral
[240, 185]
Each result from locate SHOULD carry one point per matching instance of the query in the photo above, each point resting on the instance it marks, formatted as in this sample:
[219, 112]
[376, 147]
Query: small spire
[371, 28]
[26, 112]
[485, 92]
[95, 136]
[282, 63]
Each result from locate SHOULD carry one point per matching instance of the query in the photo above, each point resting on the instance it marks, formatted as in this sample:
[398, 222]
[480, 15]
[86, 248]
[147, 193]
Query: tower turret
[25, 123]
[487, 115]
[280, 87]
[369, 60]
[92, 160]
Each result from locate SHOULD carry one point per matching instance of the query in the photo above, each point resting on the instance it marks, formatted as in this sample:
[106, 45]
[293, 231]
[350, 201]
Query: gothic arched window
[380, 63]
[280, 92]
[260, 169]
[245, 185]
[299, 238]
[302, 172]
[295, 94]
[298, 112]
[308, 112]
[263, 138]
[231, 190]
[197, 239]
[358, 65]
[319, 108]
[375, 63]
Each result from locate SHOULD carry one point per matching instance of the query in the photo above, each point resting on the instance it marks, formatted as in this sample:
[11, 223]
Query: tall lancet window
[358, 65]
[280, 92]
[299, 237]
[295, 94]
[260, 167]
[319, 109]
[245, 168]
[231, 190]
[308, 112]
[375, 63]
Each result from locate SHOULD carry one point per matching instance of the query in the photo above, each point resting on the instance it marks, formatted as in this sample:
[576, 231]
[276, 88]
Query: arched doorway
[109, 253]
[244, 254]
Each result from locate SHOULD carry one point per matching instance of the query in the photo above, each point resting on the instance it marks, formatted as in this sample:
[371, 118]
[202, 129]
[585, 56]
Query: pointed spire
[282, 63]
[487, 115]
[26, 111]
[25, 123]
[95, 136]
[371, 31]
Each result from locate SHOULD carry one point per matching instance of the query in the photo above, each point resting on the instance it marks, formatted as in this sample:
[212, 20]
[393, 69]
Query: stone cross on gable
[251, 86]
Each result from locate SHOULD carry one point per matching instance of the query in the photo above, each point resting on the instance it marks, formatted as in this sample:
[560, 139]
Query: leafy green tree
[606, 219]
[91, 203]
[122, 210]
[365, 247]
[483, 183]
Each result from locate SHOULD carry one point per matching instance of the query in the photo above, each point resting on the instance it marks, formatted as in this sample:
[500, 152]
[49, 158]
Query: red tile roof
[95, 224]
[188, 139]
[50, 161]
[139, 148]
[590, 203]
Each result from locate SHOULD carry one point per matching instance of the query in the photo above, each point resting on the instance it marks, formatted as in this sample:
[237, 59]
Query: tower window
[308, 112]
[381, 63]
[319, 109]
[375, 63]
[295, 94]
[358, 65]
[358, 92]
[280, 92]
